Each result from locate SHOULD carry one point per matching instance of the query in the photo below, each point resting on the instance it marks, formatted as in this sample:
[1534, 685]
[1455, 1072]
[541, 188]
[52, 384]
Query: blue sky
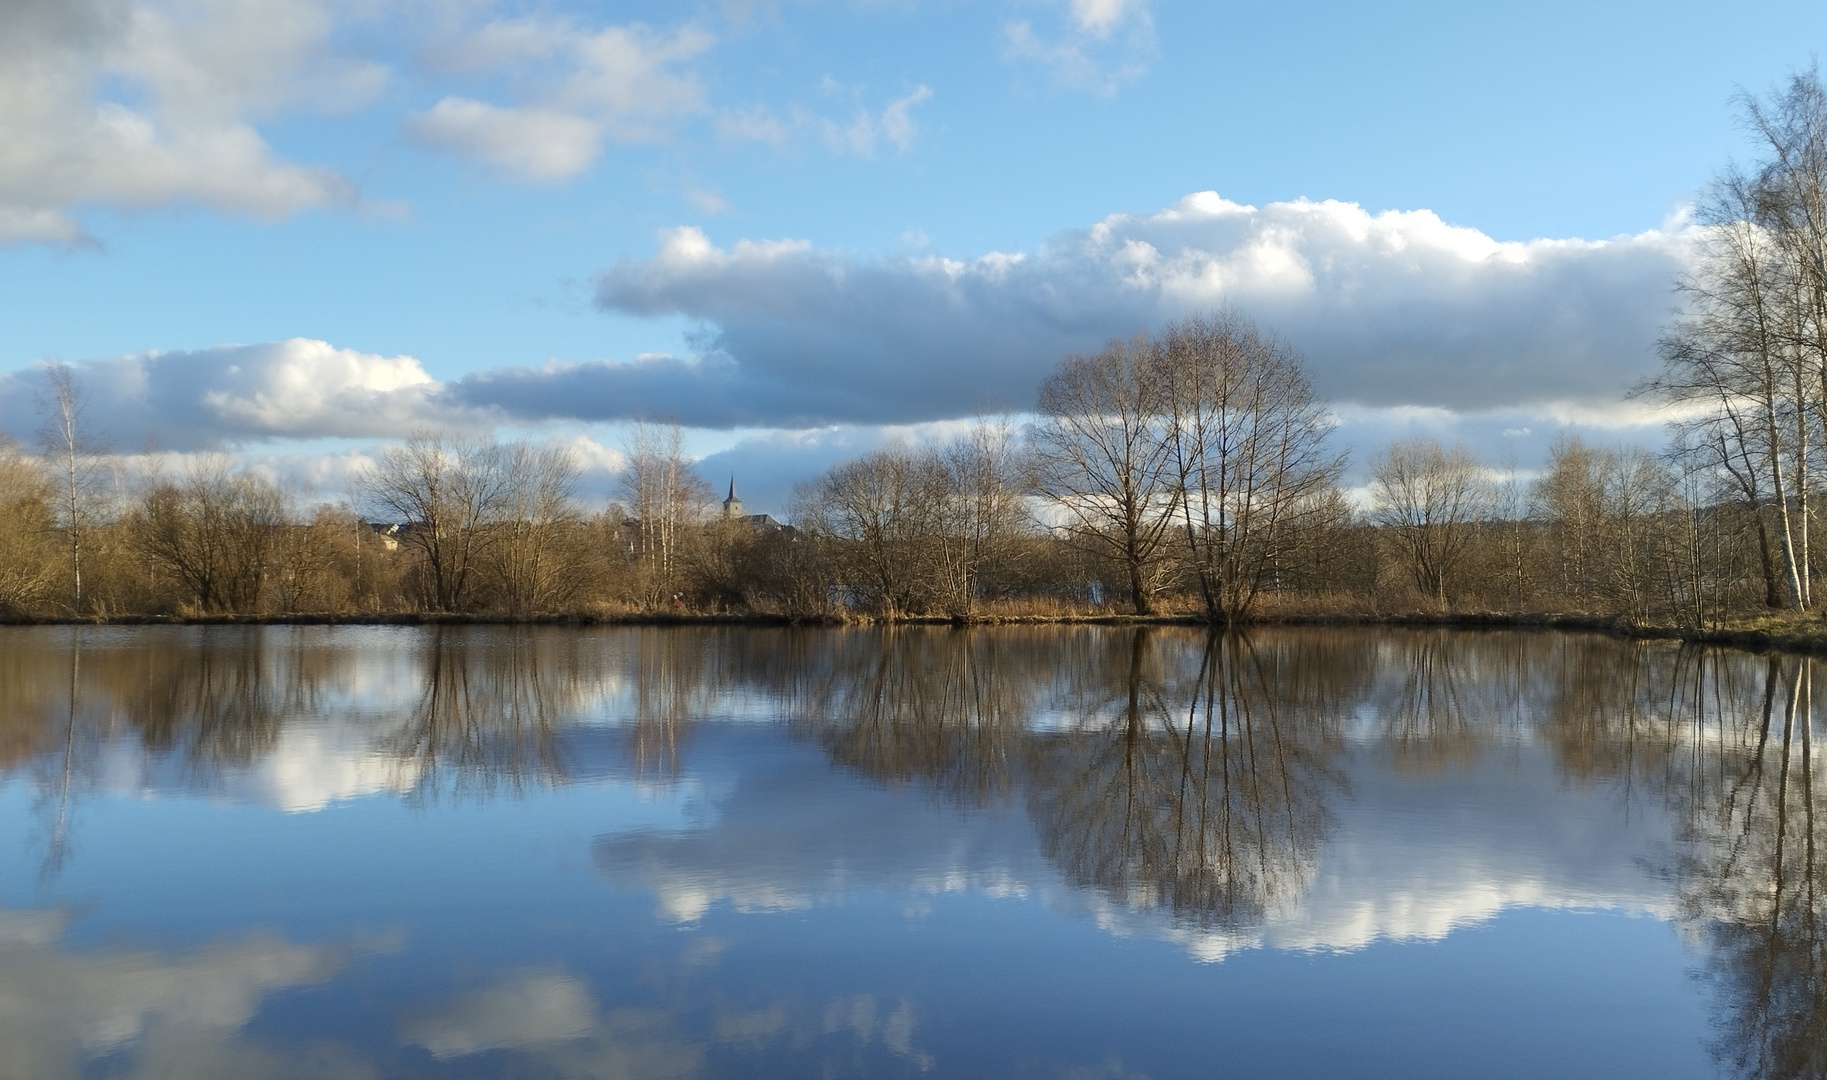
[815, 219]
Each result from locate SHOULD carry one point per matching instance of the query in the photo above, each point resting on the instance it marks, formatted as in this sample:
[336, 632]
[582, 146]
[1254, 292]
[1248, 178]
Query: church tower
[732, 506]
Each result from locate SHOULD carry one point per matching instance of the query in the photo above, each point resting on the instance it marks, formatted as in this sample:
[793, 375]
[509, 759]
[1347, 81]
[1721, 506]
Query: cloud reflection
[158, 1014]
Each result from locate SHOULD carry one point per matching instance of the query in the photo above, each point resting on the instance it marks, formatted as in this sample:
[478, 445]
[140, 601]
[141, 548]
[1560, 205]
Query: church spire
[732, 506]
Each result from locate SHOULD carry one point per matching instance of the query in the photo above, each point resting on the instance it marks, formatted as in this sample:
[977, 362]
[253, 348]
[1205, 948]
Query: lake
[1085, 852]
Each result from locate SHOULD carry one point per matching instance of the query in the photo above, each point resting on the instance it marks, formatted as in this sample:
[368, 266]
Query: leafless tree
[212, 533]
[880, 517]
[538, 527]
[1750, 347]
[445, 491]
[1104, 460]
[667, 499]
[1431, 500]
[27, 569]
[1247, 449]
[983, 517]
[66, 441]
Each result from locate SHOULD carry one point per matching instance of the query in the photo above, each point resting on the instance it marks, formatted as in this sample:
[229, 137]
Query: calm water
[353, 852]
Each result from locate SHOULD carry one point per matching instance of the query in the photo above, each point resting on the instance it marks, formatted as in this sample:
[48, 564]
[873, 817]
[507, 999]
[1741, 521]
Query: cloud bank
[1403, 319]
[235, 394]
[1393, 308]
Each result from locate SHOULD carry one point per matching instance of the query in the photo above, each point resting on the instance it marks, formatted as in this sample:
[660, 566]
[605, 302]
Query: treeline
[999, 521]
[1190, 471]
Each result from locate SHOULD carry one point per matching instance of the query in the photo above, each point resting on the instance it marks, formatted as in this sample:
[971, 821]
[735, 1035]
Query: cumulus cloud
[1405, 322]
[536, 144]
[142, 103]
[233, 394]
[624, 83]
[1392, 308]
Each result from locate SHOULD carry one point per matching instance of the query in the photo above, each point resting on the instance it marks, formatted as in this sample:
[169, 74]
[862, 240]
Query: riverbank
[1786, 633]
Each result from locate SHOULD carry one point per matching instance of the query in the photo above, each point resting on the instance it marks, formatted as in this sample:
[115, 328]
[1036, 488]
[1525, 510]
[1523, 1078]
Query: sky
[293, 230]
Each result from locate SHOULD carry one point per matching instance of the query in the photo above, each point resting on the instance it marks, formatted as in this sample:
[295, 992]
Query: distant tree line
[1189, 471]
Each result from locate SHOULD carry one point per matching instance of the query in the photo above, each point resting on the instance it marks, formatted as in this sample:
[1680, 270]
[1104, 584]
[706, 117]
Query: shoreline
[1795, 634]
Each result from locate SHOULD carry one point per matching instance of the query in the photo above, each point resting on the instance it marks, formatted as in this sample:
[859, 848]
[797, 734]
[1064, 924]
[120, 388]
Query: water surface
[1074, 853]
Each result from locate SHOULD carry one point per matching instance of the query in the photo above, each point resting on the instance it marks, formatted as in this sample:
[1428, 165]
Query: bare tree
[28, 570]
[1104, 460]
[538, 522]
[444, 491]
[1791, 208]
[212, 533]
[1750, 346]
[1431, 500]
[880, 517]
[1569, 499]
[1247, 446]
[1610, 515]
[983, 516]
[666, 498]
[66, 441]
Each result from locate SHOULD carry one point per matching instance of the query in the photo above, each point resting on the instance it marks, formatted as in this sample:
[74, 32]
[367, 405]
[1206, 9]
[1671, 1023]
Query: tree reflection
[1442, 695]
[950, 708]
[1202, 795]
[674, 681]
[1727, 739]
[1752, 878]
[488, 715]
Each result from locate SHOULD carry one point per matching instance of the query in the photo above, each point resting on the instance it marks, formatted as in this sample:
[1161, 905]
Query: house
[388, 535]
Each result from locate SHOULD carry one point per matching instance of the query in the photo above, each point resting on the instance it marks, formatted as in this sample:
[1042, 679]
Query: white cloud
[865, 130]
[299, 388]
[1405, 321]
[1391, 308]
[864, 133]
[1099, 46]
[143, 103]
[534, 144]
[754, 123]
[706, 202]
[1103, 17]
[622, 83]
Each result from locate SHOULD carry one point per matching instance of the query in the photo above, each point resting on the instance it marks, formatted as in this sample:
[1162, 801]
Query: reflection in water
[172, 1014]
[1227, 785]
[1200, 793]
[1753, 877]
[488, 714]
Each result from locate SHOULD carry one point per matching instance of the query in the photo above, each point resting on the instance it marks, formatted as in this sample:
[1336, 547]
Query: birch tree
[666, 498]
[66, 443]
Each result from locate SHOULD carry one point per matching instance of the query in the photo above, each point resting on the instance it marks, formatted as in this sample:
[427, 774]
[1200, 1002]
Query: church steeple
[732, 506]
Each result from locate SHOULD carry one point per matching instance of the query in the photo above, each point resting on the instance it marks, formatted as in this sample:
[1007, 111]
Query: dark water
[1072, 853]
